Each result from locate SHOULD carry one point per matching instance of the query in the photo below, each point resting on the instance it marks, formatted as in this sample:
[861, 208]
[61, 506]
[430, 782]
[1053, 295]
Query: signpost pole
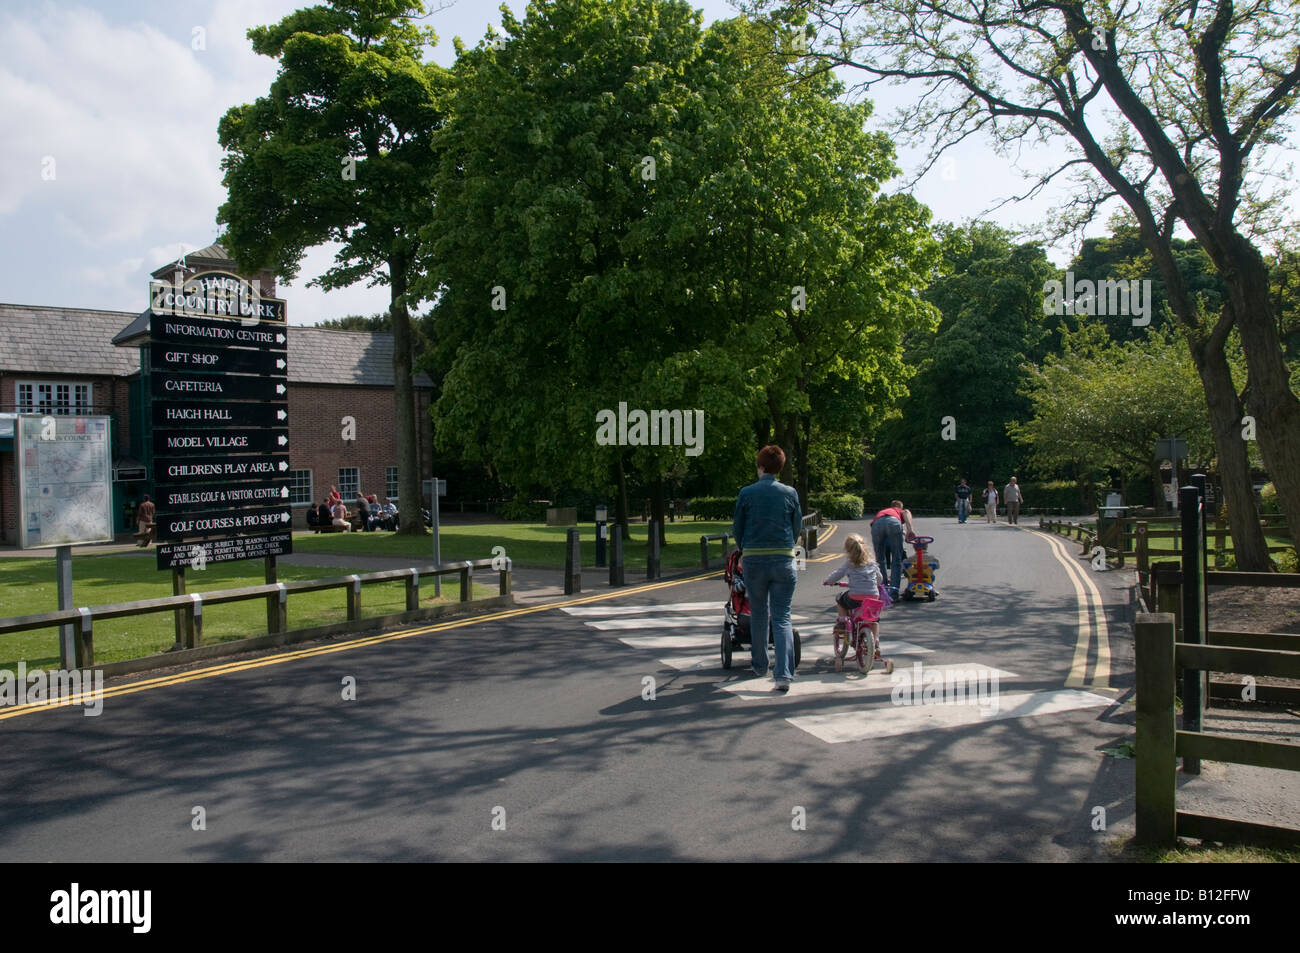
[69, 644]
[437, 543]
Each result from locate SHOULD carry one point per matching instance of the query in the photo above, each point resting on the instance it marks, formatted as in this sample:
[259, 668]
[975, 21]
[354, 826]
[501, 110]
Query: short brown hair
[897, 503]
[771, 458]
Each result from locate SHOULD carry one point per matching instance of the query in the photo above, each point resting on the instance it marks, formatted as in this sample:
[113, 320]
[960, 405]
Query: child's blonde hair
[859, 552]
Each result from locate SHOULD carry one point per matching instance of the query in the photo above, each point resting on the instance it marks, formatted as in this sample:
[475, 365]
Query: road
[529, 734]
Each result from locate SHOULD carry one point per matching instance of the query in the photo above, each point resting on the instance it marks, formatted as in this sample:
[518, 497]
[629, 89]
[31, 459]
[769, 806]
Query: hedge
[835, 506]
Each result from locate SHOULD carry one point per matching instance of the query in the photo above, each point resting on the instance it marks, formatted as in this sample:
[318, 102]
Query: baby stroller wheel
[726, 647]
[798, 648]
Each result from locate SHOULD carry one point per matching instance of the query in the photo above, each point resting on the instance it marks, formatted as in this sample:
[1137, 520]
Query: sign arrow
[284, 492]
[280, 364]
[281, 415]
[283, 466]
[282, 440]
[279, 339]
[279, 389]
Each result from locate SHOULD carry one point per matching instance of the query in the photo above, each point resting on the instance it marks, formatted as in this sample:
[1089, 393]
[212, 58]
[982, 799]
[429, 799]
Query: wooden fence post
[196, 621]
[85, 639]
[616, 557]
[354, 598]
[413, 590]
[1142, 553]
[1156, 815]
[273, 600]
[467, 582]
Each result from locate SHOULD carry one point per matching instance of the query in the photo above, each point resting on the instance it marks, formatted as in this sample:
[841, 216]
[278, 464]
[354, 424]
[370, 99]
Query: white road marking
[889, 720]
[675, 622]
[592, 612]
[875, 681]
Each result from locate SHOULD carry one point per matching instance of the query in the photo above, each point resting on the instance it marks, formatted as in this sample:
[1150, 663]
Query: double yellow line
[1087, 597]
[281, 658]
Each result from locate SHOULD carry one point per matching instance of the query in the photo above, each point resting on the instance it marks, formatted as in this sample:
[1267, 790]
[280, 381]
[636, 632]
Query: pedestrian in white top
[990, 503]
[1012, 496]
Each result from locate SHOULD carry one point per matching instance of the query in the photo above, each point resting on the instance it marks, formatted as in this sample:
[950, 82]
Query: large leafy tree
[972, 369]
[340, 150]
[1198, 93]
[626, 207]
[1099, 404]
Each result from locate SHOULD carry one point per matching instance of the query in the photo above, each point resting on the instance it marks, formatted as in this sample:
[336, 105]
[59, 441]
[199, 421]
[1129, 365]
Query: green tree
[340, 150]
[1101, 404]
[1200, 94]
[626, 207]
[970, 373]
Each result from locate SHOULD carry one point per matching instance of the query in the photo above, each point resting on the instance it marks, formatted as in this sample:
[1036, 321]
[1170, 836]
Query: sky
[110, 167]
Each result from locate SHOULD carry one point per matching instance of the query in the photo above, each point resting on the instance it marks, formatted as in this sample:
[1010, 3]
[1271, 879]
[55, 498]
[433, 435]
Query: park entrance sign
[65, 465]
[218, 363]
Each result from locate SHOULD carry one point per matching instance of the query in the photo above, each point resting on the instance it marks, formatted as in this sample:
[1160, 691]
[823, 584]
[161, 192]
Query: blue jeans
[963, 510]
[771, 579]
[887, 539]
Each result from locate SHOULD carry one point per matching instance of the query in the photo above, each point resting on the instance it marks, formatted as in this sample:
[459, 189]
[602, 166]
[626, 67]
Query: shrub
[524, 510]
[836, 506]
[1286, 561]
[1268, 503]
[712, 507]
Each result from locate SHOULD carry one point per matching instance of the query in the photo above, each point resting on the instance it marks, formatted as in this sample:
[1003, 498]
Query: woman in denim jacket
[767, 524]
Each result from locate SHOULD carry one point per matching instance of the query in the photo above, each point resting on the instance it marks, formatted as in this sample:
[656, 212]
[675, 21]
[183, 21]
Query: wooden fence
[1161, 655]
[1127, 536]
[189, 607]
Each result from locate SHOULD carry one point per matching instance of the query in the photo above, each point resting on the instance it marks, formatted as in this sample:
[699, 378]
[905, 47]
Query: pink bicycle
[857, 635]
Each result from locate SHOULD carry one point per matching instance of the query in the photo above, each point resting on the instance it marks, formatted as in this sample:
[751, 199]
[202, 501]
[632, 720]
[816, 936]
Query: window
[52, 397]
[390, 482]
[349, 482]
[300, 487]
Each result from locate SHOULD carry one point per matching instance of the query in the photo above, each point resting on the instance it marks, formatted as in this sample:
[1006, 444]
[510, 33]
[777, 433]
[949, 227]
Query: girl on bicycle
[865, 579]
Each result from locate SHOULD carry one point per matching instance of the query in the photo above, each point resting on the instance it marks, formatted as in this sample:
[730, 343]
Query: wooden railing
[1160, 743]
[190, 606]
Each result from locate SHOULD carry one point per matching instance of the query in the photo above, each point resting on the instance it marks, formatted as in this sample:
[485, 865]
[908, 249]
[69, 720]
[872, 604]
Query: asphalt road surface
[530, 734]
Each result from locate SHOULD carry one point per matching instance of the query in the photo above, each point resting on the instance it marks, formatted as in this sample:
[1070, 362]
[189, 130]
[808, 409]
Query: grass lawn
[528, 545]
[28, 586]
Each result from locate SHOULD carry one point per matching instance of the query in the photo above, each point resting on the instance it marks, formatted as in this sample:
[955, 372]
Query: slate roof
[35, 339]
[40, 340]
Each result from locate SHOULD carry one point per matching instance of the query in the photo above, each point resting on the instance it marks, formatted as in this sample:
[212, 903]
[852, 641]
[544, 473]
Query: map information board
[64, 480]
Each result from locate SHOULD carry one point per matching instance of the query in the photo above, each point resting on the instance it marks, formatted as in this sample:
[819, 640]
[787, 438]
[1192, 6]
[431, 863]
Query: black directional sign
[209, 496]
[224, 360]
[218, 378]
[225, 522]
[174, 385]
[217, 332]
[199, 553]
[186, 470]
[194, 415]
[175, 443]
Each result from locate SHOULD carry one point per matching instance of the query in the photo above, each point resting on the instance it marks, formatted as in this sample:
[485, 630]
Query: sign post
[219, 382]
[436, 488]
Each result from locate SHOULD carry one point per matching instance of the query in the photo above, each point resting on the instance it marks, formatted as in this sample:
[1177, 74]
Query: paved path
[540, 720]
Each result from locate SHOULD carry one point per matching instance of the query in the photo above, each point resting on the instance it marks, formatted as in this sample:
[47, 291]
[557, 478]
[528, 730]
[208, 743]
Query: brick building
[78, 361]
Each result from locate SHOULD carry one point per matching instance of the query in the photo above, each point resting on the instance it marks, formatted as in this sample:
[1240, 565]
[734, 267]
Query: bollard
[572, 562]
[652, 552]
[504, 587]
[467, 582]
[704, 552]
[616, 556]
[354, 599]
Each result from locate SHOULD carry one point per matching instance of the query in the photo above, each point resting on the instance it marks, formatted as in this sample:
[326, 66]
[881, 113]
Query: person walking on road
[990, 503]
[768, 521]
[890, 527]
[963, 500]
[144, 517]
[1012, 496]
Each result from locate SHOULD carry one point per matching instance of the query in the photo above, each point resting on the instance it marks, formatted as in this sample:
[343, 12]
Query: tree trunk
[1248, 544]
[408, 466]
[1271, 401]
